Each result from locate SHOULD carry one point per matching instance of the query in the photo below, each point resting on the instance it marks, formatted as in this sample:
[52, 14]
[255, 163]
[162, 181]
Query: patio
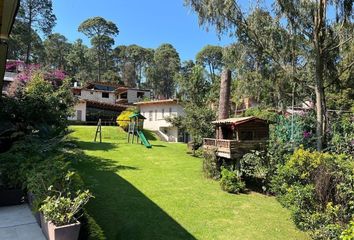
[18, 223]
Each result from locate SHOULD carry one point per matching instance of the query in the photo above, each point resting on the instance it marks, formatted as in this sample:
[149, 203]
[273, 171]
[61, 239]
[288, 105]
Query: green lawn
[160, 193]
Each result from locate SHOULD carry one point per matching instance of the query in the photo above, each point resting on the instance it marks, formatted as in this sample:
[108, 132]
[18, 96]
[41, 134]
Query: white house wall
[80, 106]
[132, 95]
[157, 119]
[156, 115]
[97, 96]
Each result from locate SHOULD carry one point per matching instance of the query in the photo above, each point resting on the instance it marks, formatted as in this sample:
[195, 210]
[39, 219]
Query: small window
[140, 94]
[150, 116]
[163, 113]
[123, 96]
[170, 111]
[105, 95]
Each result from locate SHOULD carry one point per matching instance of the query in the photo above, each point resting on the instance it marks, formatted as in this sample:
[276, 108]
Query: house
[156, 113]
[13, 68]
[235, 137]
[127, 95]
[104, 100]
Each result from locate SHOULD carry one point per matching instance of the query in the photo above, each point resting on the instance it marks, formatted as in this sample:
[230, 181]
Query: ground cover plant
[161, 193]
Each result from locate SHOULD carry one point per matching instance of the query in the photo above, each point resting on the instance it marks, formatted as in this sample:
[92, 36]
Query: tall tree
[35, 15]
[162, 72]
[57, 48]
[135, 57]
[101, 33]
[192, 83]
[78, 61]
[310, 24]
[211, 57]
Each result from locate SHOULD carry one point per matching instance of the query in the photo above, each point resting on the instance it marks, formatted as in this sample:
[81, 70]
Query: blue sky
[146, 23]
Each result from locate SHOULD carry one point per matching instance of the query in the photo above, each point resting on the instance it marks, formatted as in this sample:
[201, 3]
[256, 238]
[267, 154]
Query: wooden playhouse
[235, 137]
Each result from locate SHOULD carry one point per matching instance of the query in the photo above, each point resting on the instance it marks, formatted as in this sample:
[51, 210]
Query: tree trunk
[29, 43]
[224, 101]
[225, 88]
[318, 40]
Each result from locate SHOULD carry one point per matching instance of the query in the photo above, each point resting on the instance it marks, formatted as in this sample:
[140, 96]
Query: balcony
[231, 149]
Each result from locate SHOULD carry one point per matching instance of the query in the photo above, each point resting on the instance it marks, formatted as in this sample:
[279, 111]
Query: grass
[160, 193]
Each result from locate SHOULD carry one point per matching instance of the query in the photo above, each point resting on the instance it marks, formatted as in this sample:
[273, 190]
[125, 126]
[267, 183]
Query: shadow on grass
[121, 209]
[157, 145]
[149, 135]
[95, 146]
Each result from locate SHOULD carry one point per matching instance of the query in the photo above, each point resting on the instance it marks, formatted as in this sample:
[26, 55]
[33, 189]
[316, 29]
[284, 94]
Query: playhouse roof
[238, 121]
[137, 115]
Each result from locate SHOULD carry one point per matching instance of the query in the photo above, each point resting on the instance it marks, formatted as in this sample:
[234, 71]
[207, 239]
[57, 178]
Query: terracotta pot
[66, 232]
[11, 197]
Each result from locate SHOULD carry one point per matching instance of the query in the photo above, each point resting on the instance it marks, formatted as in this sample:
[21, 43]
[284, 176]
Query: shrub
[123, 119]
[211, 167]
[254, 165]
[231, 181]
[348, 234]
[319, 189]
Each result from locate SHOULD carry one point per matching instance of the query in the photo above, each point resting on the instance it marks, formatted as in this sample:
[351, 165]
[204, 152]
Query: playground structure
[136, 129]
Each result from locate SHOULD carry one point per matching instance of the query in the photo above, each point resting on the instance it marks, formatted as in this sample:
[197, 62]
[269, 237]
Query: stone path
[18, 223]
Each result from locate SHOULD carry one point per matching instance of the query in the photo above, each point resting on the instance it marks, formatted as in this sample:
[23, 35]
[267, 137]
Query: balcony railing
[230, 148]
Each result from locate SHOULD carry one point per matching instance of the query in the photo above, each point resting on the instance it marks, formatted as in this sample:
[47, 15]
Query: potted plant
[59, 215]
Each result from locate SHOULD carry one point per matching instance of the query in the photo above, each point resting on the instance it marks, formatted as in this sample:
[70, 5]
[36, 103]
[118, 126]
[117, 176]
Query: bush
[254, 165]
[231, 181]
[319, 189]
[123, 119]
[348, 234]
[211, 167]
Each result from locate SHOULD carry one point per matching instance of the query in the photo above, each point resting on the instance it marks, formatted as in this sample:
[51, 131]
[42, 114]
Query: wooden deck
[233, 148]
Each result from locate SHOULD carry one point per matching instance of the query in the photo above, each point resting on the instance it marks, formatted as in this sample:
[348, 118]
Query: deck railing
[231, 147]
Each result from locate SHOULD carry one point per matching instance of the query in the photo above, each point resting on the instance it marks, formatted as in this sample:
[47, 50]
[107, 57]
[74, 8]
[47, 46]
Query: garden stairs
[163, 137]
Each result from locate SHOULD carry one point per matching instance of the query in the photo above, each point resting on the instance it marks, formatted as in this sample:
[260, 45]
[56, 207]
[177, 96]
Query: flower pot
[66, 232]
[44, 225]
[10, 197]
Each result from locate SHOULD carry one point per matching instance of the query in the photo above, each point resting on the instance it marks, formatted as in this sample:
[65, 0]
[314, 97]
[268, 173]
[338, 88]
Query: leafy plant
[231, 181]
[62, 210]
[348, 234]
[319, 189]
[211, 166]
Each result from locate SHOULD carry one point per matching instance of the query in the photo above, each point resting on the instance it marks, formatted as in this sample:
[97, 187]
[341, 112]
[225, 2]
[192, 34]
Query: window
[170, 111]
[105, 95]
[155, 114]
[150, 116]
[123, 95]
[163, 113]
[140, 94]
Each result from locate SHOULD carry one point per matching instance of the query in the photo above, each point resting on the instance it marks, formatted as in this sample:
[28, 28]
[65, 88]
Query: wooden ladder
[99, 130]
